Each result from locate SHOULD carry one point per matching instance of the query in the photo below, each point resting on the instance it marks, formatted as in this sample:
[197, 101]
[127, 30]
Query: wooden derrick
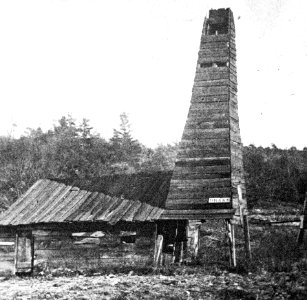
[209, 163]
[209, 166]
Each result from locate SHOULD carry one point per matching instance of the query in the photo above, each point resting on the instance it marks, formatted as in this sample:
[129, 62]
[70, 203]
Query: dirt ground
[213, 285]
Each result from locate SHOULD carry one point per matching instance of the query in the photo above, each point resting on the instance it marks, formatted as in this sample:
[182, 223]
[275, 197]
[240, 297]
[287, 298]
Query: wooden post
[32, 253]
[232, 243]
[192, 233]
[158, 250]
[303, 223]
[240, 200]
[16, 253]
[244, 222]
[183, 252]
[247, 244]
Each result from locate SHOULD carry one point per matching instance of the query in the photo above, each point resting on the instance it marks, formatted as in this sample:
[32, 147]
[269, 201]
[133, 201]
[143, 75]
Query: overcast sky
[96, 59]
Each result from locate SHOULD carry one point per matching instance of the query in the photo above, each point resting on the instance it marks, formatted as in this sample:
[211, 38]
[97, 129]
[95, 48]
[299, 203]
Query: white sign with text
[219, 200]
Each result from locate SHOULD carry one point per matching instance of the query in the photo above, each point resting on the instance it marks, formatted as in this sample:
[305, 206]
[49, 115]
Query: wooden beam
[232, 243]
[248, 251]
[245, 225]
[158, 250]
[16, 253]
[193, 227]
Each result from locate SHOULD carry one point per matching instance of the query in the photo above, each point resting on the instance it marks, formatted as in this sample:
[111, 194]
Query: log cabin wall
[92, 250]
[209, 164]
[83, 248]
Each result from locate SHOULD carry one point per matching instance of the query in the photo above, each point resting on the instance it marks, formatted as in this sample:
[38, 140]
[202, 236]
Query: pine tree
[126, 150]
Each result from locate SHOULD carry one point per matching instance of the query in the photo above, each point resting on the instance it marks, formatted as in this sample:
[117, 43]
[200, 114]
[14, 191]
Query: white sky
[96, 59]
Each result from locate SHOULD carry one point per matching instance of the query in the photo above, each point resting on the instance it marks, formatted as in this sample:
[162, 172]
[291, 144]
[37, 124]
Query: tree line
[275, 175]
[73, 150]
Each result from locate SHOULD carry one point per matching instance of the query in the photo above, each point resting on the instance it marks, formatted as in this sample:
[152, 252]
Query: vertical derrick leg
[158, 250]
[247, 244]
[244, 222]
[193, 239]
[232, 243]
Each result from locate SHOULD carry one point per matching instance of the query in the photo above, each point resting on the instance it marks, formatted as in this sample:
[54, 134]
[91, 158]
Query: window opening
[206, 65]
[216, 29]
[215, 64]
[127, 237]
[220, 64]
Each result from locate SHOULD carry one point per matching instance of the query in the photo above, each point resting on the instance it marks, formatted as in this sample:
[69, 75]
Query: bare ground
[199, 285]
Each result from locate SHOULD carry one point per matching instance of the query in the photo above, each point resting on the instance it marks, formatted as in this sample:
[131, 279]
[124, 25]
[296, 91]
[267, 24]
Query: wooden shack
[142, 219]
[55, 225]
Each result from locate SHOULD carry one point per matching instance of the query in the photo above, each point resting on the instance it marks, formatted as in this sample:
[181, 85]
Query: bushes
[277, 251]
[274, 250]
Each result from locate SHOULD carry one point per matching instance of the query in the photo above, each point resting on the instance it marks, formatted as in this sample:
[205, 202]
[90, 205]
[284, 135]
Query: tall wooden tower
[209, 164]
[208, 180]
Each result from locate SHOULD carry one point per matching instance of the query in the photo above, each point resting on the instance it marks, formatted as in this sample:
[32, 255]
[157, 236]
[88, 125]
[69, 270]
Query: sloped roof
[49, 201]
[151, 188]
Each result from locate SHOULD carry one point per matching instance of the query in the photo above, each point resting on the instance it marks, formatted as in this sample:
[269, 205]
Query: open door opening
[173, 240]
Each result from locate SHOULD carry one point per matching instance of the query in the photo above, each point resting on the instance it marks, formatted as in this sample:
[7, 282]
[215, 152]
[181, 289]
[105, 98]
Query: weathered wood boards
[232, 243]
[47, 248]
[158, 250]
[209, 164]
[94, 250]
[49, 201]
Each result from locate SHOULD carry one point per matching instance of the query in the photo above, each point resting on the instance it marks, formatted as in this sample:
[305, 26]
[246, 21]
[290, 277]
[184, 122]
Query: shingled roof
[49, 201]
[151, 188]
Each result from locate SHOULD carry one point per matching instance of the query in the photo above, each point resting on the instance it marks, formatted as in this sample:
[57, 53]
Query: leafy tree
[68, 150]
[161, 158]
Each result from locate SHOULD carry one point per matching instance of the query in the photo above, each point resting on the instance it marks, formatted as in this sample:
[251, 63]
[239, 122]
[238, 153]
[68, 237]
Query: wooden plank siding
[87, 250]
[209, 162]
